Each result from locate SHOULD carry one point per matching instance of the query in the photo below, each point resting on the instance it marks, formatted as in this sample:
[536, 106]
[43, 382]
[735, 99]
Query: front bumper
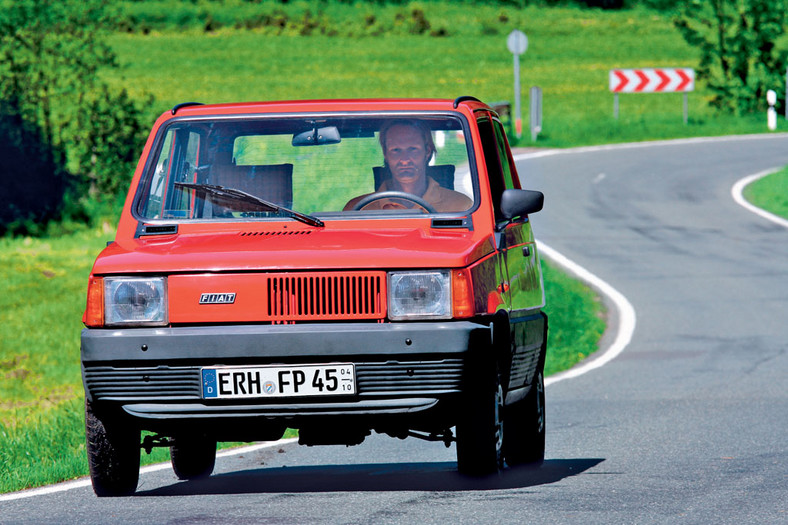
[402, 369]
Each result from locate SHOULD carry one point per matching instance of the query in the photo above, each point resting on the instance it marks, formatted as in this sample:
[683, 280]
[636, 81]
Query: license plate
[278, 381]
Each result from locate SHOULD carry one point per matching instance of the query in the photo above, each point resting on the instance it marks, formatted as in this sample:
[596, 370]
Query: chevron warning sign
[652, 80]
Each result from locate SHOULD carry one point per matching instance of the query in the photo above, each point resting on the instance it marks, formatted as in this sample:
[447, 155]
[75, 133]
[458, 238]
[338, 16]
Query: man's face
[406, 156]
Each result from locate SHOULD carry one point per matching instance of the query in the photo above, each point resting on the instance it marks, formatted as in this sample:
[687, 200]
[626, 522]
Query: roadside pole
[615, 105]
[686, 109]
[535, 113]
[517, 43]
[771, 113]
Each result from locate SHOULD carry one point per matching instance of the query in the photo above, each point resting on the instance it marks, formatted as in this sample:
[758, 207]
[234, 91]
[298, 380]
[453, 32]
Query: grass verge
[770, 193]
[570, 54]
[576, 316]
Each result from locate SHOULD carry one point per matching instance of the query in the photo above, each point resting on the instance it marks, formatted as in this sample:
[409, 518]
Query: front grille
[181, 383]
[326, 296]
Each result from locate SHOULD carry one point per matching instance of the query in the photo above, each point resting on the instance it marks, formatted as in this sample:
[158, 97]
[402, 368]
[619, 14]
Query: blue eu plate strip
[209, 384]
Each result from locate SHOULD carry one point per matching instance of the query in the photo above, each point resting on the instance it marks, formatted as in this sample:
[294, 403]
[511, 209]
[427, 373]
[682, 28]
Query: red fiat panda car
[336, 266]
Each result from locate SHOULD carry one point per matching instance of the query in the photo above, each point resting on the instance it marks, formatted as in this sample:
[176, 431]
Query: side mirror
[518, 203]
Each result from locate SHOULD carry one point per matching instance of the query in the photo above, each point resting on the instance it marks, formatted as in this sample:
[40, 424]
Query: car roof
[195, 109]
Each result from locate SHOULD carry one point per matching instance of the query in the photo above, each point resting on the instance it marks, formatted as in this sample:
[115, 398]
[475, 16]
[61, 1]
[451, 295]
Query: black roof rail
[463, 98]
[183, 105]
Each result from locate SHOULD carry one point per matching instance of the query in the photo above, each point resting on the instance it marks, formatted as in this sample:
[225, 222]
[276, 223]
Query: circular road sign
[517, 42]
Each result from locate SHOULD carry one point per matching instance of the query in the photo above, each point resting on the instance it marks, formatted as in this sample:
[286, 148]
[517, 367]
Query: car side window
[492, 159]
[177, 162]
[507, 163]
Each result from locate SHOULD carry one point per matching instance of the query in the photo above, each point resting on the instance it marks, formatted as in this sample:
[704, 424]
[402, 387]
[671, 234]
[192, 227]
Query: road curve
[686, 425]
[691, 419]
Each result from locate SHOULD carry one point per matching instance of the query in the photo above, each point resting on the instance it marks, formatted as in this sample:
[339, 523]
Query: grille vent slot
[327, 296]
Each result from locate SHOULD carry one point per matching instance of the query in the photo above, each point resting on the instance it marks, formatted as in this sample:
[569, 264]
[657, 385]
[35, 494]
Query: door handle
[526, 251]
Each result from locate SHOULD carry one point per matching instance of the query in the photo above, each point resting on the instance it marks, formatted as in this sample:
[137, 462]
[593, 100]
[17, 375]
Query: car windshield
[303, 168]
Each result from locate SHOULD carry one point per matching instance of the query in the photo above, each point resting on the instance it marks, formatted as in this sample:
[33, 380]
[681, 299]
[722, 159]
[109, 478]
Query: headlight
[138, 301]
[419, 295]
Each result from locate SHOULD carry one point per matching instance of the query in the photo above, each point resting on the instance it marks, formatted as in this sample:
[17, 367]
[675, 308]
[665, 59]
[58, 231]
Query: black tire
[113, 455]
[480, 429]
[525, 427]
[193, 457]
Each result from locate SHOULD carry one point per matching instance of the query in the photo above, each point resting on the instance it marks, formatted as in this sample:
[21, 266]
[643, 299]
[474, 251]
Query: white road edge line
[627, 319]
[737, 192]
[626, 312]
[85, 482]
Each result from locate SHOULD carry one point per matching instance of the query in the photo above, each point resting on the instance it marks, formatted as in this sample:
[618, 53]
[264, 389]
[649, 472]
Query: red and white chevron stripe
[652, 80]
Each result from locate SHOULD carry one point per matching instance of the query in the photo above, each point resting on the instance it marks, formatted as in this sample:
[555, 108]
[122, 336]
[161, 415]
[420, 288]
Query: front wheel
[113, 455]
[525, 427]
[480, 430]
[194, 457]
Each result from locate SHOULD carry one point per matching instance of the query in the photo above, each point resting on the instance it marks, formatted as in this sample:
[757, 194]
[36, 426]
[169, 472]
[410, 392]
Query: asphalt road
[688, 425]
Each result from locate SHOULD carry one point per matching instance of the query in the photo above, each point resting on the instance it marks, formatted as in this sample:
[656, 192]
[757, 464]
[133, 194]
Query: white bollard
[771, 113]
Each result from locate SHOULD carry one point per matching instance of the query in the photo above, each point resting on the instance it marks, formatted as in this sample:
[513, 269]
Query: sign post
[517, 43]
[536, 111]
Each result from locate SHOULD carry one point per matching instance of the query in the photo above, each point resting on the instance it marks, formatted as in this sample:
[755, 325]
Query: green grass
[42, 295]
[770, 193]
[576, 316]
[570, 54]
[49, 446]
[45, 446]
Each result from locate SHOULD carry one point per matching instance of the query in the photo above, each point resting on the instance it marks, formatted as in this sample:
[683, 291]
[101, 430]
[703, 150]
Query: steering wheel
[394, 195]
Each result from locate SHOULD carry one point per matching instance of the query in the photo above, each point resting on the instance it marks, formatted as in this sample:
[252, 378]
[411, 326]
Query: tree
[107, 141]
[743, 49]
[50, 59]
[51, 53]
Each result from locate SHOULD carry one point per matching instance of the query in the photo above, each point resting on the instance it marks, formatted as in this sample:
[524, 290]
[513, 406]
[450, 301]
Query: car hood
[314, 249]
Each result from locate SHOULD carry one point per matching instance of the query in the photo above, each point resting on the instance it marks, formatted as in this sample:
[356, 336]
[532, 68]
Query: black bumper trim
[215, 345]
[199, 410]
[162, 382]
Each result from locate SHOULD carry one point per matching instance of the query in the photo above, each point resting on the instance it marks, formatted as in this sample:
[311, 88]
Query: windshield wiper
[242, 196]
